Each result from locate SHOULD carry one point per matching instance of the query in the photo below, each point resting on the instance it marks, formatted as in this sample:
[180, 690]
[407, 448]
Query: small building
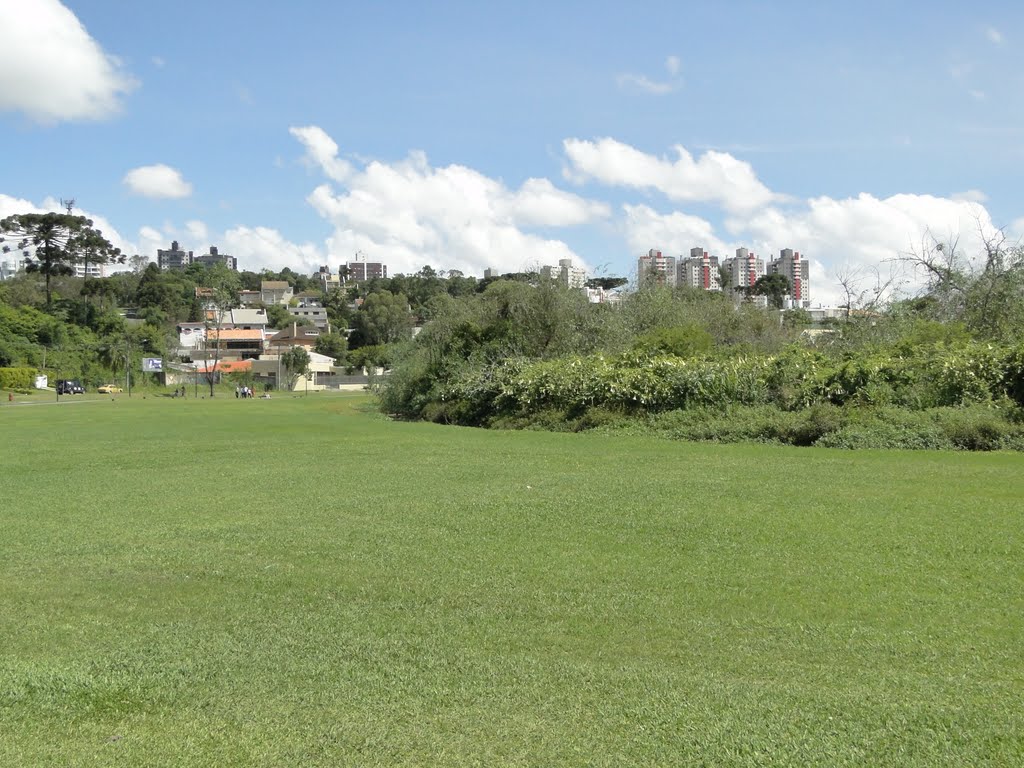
[191, 335]
[309, 310]
[269, 371]
[276, 292]
[294, 336]
[237, 343]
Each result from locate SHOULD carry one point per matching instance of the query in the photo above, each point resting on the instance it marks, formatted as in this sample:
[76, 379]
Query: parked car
[70, 387]
[109, 389]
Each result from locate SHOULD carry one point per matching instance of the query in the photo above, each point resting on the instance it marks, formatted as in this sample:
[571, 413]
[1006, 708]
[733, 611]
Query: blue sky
[466, 135]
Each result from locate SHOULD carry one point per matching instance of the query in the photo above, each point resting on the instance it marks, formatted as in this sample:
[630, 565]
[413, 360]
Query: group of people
[243, 392]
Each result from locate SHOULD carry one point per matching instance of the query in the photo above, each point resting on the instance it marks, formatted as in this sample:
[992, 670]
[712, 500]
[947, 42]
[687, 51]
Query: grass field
[298, 582]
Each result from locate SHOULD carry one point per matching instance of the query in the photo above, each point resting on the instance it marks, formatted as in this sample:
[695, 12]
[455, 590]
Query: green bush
[977, 428]
[887, 428]
[17, 378]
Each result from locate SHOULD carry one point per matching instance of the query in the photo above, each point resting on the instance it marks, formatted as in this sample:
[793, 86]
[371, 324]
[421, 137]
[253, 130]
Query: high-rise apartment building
[174, 258]
[215, 257]
[797, 271]
[699, 270]
[565, 274]
[657, 267]
[360, 271]
[743, 270]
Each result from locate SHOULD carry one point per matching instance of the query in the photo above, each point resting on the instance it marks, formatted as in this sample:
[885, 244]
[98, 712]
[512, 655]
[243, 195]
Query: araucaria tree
[56, 242]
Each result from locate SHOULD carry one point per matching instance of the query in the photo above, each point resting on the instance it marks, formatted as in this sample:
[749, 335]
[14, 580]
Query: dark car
[70, 387]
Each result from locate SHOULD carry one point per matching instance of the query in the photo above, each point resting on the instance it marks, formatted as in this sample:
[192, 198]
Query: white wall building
[699, 270]
[656, 266]
[565, 274]
[797, 271]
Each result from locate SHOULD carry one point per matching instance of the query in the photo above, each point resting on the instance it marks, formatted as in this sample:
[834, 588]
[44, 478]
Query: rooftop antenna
[68, 204]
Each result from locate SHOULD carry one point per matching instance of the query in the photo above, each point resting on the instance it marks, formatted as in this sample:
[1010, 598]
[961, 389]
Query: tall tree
[219, 297]
[58, 242]
[92, 248]
[775, 287]
[296, 361]
[383, 318]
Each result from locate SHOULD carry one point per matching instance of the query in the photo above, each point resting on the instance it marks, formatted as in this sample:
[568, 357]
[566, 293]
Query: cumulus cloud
[674, 233]
[971, 195]
[157, 181]
[715, 177]
[256, 248]
[866, 233]
[197, 231]
[10, 206]
[50, 67]
[259, 248]
[409, 213]
[994, 35]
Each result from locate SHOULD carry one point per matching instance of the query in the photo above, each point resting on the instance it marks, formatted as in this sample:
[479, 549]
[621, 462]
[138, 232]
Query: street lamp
[128, 361]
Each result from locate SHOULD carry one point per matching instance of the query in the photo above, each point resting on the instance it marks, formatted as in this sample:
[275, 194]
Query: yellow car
[109, 389]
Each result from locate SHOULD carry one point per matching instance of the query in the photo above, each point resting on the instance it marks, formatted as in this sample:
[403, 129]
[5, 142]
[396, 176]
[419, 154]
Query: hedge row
[931, 377]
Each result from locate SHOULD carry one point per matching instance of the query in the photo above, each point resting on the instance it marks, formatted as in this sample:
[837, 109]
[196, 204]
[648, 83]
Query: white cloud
[647, 85]
[197, 232]
[539, 202]
[644, 83]
[994, 35]
[716, 177]
[10, 206]
[158, 62]
[971, 196]
[673, 233]
[256, 248]
[260, 248]
[158, 181]
[865, 233]
[409, 213]
[51, 69]
[322, 152]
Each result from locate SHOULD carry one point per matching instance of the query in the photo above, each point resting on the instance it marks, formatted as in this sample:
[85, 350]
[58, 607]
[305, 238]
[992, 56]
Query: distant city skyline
[467, 136]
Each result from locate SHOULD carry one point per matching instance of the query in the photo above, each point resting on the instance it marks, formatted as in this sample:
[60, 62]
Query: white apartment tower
[797, 271]
[565, 274]
[699, 270]
[655, 266]
[743, 270]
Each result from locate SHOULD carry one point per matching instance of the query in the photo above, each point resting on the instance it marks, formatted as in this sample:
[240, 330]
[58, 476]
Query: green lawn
[299, 582]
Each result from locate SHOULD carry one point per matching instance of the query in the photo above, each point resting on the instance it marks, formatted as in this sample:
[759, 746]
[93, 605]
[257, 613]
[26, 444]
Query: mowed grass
[301, 582]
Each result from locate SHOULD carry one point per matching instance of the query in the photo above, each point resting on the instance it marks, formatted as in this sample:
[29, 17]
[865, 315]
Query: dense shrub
[17, 378]
[680, 374]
